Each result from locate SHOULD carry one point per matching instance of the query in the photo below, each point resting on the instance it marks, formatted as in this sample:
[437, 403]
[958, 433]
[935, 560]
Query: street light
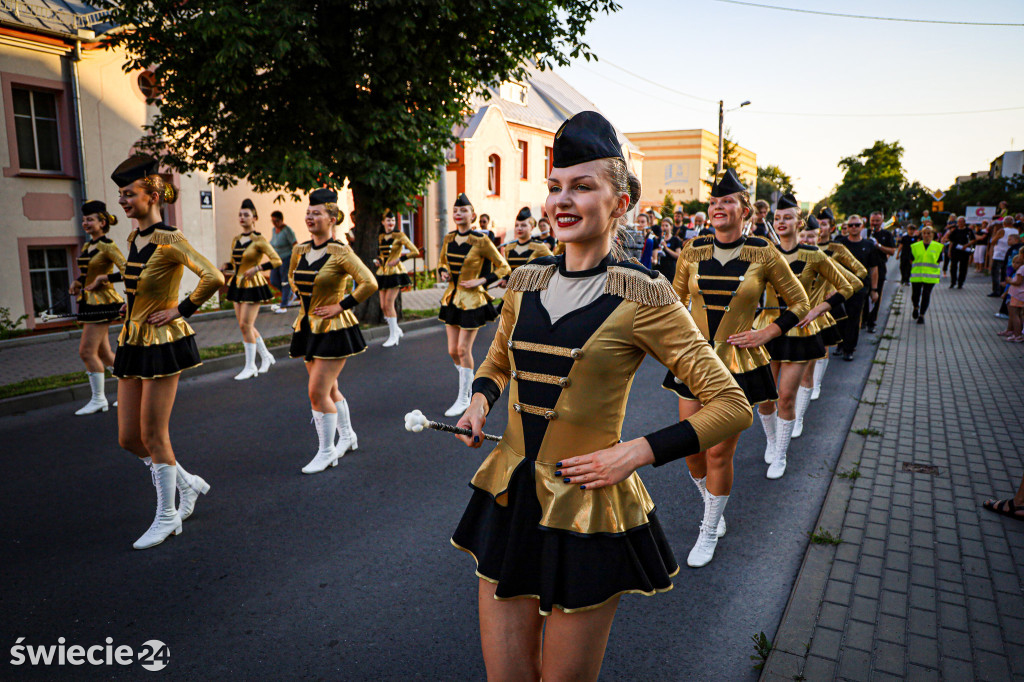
[721, 124]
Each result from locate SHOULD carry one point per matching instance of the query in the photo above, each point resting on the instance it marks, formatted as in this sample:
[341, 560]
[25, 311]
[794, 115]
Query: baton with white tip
[415, 421]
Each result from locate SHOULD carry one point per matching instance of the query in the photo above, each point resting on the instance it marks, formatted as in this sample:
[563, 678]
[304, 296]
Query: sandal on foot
[1005, 508]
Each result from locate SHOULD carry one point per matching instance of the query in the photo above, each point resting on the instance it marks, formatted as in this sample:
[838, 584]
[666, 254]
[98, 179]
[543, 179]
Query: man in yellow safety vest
[924, 272]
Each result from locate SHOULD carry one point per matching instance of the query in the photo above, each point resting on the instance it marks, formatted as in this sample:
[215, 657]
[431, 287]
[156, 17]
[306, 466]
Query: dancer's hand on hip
[606, 467]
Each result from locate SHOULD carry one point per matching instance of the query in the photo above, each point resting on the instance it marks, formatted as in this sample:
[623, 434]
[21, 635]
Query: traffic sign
[937, 195]
[937, 206]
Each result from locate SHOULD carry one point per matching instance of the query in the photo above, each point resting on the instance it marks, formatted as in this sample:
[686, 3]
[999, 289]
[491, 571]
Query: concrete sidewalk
[43, 358]
[924, 584]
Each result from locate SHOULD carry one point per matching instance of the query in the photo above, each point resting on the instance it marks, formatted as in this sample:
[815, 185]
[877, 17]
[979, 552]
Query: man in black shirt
[761, 208]
[958, 255]
[885, 242]
[865, 251]
[906, 257]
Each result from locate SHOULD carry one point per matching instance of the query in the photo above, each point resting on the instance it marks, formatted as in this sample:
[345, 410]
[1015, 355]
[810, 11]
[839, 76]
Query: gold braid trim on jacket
[531, 277]
[756, 254]
[636, 286]
[302, 248]
[160, 237]
[697, 253]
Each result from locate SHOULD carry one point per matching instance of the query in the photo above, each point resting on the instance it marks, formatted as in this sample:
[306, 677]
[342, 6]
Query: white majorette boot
[249, 371]
[347, 439]
[769, 422]
[803, 399]
[819, 372]
[462, 402]
[704, 550]
[167, 522]
[702, 486]
[98, 402]
[326, 456]
[395, 332]
[266, 358]
[783, 435]
[190, 487]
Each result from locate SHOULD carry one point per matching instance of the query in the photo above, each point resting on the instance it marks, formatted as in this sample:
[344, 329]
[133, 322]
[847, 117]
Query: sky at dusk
[820, 87]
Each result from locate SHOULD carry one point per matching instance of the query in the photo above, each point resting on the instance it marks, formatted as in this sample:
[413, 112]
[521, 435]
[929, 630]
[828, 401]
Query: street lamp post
[721, 126]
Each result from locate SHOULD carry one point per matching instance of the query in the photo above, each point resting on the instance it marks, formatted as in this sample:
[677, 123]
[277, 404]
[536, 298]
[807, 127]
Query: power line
[864, 16]
[660, 85]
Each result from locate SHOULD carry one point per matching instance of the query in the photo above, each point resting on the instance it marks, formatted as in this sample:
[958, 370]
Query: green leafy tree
[985, 192]
[873, 180]
[694, 206]
[668, 206]
[770, 179]
[291, 95]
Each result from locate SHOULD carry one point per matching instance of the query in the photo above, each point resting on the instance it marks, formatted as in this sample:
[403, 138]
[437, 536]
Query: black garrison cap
[826, 214]
[388, 214]
[134, 168]
[324, 195]
[812, 223]
[787, 201]
[247, 203]
[524, 213]
[90, 207]
[729, 184]
[463, 200]
[585, 137]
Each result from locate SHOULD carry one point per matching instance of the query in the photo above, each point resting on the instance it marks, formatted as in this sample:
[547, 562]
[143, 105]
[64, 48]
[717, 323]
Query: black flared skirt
[831, 336]
[758, 385]
[796, 348]
[260, 294]
[399, 280]
[154, 362]
[92, 314]
[467, 319]
[563, 570]
[335, 345]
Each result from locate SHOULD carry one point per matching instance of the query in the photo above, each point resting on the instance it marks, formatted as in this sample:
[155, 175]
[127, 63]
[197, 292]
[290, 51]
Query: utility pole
[721, 123]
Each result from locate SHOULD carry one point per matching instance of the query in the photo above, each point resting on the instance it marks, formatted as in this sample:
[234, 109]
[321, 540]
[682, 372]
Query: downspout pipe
[76, 95]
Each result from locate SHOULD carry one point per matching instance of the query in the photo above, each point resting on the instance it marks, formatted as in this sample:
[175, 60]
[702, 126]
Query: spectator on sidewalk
[1000, 241]
[1012, 507]
[980, 245]
[958, 256]
[1012, 250]
[1015, 306]
[283, 241]
[669, 250]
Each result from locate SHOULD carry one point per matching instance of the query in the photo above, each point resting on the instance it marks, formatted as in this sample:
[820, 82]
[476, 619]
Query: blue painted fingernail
[476, 439]
[559, 464]
[558, 473]
[566, 480]
[583, 487]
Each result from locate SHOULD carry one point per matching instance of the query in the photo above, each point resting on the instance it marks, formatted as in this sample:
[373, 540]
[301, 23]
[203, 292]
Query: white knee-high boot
[346, 436]
[704, 550]
[783, 436]
[266, 357]
[98, 402]
[819, 372]
[465, 384]
[394, 332]
[190, 487]
[702, 486]
[803, 399]
[249, 371]
[326, 425]
[769, 422]
[167, 522]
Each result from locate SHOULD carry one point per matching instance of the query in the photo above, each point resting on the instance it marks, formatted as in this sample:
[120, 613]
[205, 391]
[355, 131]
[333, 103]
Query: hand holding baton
[416, 422]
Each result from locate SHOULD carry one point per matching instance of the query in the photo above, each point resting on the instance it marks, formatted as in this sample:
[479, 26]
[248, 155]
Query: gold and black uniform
[518, 254]
[802, 344]
[151, 280]
[321, 276]
[103, 304]
[390, 246]
[465, 257]
[821, 291]
[247, 250]
[841, 255]
[567, 347]
[724, 282]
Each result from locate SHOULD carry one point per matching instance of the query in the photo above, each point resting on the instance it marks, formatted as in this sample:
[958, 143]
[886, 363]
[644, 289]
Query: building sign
[205, 199]
[676, 174]
[976, 214]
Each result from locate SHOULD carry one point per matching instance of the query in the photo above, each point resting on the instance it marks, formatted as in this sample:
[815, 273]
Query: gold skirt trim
[159, 376]
[320, 357]
[561, 608]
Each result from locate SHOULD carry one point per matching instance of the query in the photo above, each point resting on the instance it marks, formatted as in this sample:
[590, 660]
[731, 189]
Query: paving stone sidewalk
[60, 356]
[926, 584]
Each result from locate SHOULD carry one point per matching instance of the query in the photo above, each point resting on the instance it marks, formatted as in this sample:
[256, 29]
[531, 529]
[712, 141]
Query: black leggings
[921, 293]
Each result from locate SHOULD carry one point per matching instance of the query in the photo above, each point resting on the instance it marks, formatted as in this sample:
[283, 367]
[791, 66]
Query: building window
[524, 160]
[494, 175]
[549, 160]
[37, 130]
[49, 277]
[148, 86]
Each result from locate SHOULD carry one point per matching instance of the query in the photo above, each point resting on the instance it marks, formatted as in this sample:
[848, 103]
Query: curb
[789, 647]
[81, 392]
[76, 333]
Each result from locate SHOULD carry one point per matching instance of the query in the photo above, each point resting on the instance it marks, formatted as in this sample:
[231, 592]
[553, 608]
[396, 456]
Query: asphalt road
[349, 574]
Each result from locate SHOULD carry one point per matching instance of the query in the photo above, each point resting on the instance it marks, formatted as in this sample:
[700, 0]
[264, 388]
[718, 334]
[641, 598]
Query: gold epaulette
[810, 255]
[638, 287]
[694, 254]
[336, 249]
[531, 277]
[303, 248]
[758, 254]
[132, 235]
[166, 237]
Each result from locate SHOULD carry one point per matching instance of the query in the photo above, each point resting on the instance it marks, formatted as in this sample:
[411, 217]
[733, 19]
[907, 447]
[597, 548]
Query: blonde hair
[334, 211]
[623, 180]
[167, 192]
